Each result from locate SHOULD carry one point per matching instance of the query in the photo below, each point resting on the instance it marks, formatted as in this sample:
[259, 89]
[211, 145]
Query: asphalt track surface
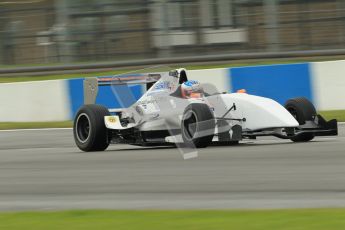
[43, 170]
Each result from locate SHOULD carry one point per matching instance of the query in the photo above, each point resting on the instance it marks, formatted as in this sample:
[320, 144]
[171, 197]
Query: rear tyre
[303, 110]
[197, 126]
[90, 133]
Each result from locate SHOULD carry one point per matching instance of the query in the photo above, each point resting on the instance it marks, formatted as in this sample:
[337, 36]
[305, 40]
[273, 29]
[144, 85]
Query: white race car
[177, 110]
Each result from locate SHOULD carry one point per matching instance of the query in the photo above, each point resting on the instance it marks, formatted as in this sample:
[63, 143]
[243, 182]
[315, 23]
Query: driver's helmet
[191, 89]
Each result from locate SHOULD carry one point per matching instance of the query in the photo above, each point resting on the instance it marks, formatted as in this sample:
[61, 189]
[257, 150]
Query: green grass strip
[334, 114]
[313, 219]
[58, 77]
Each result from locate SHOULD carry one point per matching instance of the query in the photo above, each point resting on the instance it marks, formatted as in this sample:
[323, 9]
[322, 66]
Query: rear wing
[91, 84]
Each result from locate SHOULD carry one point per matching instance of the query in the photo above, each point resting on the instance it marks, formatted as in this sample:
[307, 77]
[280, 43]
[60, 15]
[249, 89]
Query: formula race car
[175, 109]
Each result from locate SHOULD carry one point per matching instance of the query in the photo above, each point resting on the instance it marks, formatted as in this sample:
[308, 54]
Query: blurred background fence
[64, 31]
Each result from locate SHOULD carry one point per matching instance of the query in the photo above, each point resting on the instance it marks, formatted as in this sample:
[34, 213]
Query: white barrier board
[34, 101]
[328, 79]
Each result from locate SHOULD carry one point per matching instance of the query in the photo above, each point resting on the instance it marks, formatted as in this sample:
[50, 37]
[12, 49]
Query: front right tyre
[89, 131]
[302, 110]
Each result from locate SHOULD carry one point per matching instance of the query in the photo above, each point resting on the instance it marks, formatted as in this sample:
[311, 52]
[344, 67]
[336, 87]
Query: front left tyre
[90, 133]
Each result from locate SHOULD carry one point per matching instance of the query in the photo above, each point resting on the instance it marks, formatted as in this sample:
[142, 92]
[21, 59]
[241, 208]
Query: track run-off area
[44, 170]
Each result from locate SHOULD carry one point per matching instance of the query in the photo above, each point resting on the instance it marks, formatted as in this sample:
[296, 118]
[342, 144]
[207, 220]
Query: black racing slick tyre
[90, 133]
[197, 126]
[303, 110]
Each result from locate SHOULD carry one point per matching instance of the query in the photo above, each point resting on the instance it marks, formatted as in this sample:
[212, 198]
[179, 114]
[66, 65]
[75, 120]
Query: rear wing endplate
[91, 84]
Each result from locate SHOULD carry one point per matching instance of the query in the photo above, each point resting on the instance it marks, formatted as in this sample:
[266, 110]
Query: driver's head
[191, 89]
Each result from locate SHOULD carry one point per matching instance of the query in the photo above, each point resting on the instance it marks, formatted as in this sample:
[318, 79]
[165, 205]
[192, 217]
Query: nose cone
[262, 113]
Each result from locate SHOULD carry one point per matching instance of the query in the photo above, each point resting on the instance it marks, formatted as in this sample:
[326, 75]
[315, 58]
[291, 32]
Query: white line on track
[42, 129]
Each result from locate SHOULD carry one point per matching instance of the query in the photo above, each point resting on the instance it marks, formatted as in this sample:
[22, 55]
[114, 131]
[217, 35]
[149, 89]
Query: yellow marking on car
[112, 119]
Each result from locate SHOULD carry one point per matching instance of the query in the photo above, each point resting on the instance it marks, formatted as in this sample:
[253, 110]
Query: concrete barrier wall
[34, 101]
[321, 82]
[279, 82]
[218, 77]
[329, 84]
